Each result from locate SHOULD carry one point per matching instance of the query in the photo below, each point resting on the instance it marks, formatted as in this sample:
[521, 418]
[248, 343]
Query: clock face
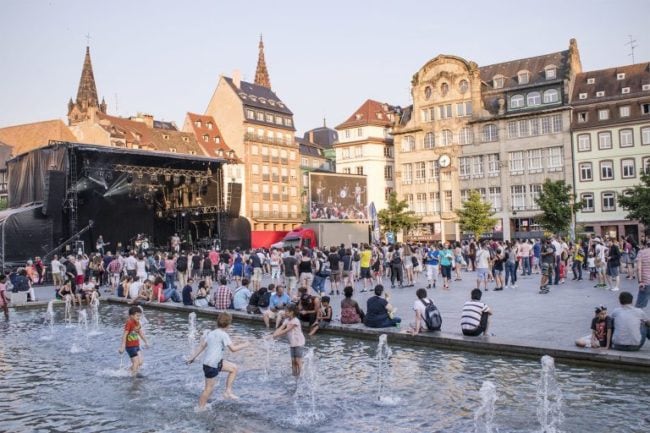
[444, 161]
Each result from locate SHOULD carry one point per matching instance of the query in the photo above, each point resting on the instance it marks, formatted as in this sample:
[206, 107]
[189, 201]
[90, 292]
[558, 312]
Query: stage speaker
[53, 192]
[234, 199]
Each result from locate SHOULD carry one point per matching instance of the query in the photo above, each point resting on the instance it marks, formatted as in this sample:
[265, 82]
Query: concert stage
[124, 192]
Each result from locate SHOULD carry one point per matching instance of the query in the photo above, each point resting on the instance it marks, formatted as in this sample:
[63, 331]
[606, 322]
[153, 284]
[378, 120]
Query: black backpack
[432, 316]
[396, 260]
[181, 264]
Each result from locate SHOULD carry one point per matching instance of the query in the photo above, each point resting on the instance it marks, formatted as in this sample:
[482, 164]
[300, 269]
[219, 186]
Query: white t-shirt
[418, 305]
[56, 266]
[130, 263]
[216, 341]
[482, 259]
[295, 336]
[141, 268]
[134, 289]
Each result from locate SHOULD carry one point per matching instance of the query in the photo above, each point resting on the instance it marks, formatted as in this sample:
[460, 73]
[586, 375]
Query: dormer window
[625, 90]
[550, 72]
[252, 98]
[185, 139]
[591, 81]
[209, 125]
[165, 137]
[645, 87]
[498, 81]
[172, 149]
[197, 123]
[523, 77]
[272, 102]
[600, 93]
[358, 116]
[263, 100]
[206, 138]
[380, 116]
[620, 76]
[582, 96]
[192, 152]
[217, 140]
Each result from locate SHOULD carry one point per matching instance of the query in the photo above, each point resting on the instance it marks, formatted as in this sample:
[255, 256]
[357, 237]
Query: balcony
[266, 158]
[265, 139]
[276, 215]
[275, 178]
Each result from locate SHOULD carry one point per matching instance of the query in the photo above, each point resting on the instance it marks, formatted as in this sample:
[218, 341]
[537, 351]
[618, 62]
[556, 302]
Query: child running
[215, 344]
[131, 339]
[291, 327]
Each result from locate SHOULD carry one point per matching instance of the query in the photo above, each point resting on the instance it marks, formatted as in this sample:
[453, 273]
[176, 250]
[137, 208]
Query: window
[434, 170]
[591, 80]
[304, 161]
[270, 118]
[465, 136]
[359, 132]
[625, 90]
[554, 158]
[606, 170]
[493, 164]
[387, 192]
[518, 197]
[628, 168]
[347, 133]
[360, 169]
[408, 173]
[600, 93]
[388, 151]
[550, 72]
[347, 170]
[645, 87]
[490, 133]
[586, 173]
[523, 77]
[620, 76]
[494, 197]
[517, 101]
[587, 200]
[408, 143]
[625, 138]
[608, 200]
[260, 116]
[583, 117]
[524, 131]
[498, 82]
[388, 172]
[516, 162]
[421, 203]
[534, 193]
[582, 96]
[464, 166]
[206, 137]
[551, 96]
[358, 151]
[624, 111]
[464, 109]
[584, 142]
[645, 135]
[427, 92]
[250, 114]
[429, 140]
[449, 204]
[420, 171]
[345, 153]
[646, 165]
[604, 140]
[444, 89]
[463, 86]
[533, 98]
[535, 160]
[477, 166]
[434, 199]
[425, 115]
[217, 140]
[603, 114]
[446, 137]
[445, 111]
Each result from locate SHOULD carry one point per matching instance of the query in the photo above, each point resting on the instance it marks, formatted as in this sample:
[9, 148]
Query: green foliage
[3, 203]
[637, 201]
[396, 216]
[476, 216]
[557, 204]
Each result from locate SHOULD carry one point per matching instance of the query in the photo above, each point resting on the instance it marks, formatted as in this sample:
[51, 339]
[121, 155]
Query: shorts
[275, 272]
[212, 372]
[547, 268]
[257, 274]
[365, 273]
[323, 324]
[613, 271]
[133, 351]
[497, 272]
[79, 279]
[274, 314]
[335, 276]
[346, 274]
[482, 273]
[297, 351]
[445, 271]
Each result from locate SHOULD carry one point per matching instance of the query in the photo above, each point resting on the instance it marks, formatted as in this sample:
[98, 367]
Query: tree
[396, 216]
[637, 201]
[476, 216]
[558, 205]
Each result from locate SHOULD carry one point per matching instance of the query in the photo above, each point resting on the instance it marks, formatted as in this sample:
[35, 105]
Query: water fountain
[484, 416]
[549, 398]
[83, 327]
[383, 369]
[267, 342]
[67, 318]
[304, 399]
[49, 319]
[94, 316]
[191, 333]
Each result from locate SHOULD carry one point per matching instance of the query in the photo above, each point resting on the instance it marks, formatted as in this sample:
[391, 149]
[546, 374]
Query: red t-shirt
[132, 337]
[158, 293]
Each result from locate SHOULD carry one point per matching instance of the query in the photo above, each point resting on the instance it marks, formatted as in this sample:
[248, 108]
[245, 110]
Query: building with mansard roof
[611, 145]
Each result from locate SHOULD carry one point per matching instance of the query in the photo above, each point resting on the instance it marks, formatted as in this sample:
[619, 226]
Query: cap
[601, 308]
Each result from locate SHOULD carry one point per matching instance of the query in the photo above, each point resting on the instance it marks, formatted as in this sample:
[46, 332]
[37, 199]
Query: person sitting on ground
[308, 306]
[475, 317]
[351, 313]
[222, 297]
[145, 291]
[324, 316]
[631, 325]
[66, 291]
[89, 290]
[419, 306]
[164, 294]
[241, 296]
[201, 298]
[601, 331]
[253, 303]
[278, 302]
[380, 314]
[188, 296]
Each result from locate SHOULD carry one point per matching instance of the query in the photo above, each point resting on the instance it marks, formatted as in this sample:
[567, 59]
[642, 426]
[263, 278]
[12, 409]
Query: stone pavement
[521, 317]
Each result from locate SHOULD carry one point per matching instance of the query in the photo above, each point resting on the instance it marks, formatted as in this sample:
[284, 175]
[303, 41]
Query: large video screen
[334, 197]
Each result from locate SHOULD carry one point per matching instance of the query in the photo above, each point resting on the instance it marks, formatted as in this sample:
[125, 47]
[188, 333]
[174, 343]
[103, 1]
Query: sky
[325, 58]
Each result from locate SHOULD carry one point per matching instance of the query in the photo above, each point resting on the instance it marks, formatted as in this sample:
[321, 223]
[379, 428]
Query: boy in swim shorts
[131, 339]
[215, 344]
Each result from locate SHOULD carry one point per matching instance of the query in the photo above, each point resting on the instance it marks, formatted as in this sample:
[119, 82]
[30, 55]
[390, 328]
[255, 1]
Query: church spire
[87, 92]
[261, 73]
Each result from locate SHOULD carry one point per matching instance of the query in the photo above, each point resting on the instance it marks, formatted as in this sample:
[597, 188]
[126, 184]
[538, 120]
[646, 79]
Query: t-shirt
[216, 343]
[295, 335]
[187, 295]
[472, 312]
[279, 301]
[432, 257]
[141, 267]
[131, 327]
[289, 263]
[241, 297]
[627, 325]
[482, 259]
[418, 306]
[376, 311]
[134, 289]
[255, 261]
[445, 257]
[601, 327]
[334, 258]
[614, 256]
[366, 256]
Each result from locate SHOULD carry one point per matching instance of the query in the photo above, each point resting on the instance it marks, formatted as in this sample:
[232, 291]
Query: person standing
[364, 263]
[578, 259]
[446, 261]
[613, 265]
[335, 271]
[482, 266]
[643, 274]
[290, 269]
[525, 252]
[55, 265]
[431, 261]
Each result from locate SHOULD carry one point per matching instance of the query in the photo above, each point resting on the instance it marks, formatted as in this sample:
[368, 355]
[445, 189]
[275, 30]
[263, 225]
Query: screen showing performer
[334, 196]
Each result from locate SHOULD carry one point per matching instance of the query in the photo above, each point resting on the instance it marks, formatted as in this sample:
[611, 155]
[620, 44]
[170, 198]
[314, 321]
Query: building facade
[258, 126]
[312, 158]
[611, 144]
[365, 147]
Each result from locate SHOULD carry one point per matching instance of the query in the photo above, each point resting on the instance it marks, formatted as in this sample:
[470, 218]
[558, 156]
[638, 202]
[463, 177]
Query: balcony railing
[266, 139]
[276, 214]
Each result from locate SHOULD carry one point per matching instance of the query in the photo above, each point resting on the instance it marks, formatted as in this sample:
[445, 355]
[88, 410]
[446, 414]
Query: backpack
[356, 256]
[263, 302]
[432, 316]
[414, 261]
[396, 260]
[181, 264]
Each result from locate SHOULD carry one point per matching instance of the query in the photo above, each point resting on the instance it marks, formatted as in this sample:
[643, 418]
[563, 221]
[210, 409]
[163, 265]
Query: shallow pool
[66, 380]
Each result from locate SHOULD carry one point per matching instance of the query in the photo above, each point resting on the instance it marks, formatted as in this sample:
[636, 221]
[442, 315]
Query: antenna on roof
[632, 43]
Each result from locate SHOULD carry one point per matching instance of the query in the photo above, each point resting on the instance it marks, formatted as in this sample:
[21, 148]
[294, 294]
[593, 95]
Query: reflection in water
[49, 389]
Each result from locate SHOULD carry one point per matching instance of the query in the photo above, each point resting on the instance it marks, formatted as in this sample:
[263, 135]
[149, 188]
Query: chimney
[311, 136]
[148, 120]
[236, 78]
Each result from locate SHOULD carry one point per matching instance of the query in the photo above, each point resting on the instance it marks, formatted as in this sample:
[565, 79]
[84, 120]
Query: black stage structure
[69, 192]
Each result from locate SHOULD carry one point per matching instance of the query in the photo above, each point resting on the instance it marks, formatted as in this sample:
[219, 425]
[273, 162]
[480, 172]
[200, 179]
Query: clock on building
[444, 161]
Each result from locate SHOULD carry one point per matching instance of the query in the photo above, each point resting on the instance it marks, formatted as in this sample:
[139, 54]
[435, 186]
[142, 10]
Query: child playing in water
[131, 339]
[215, 344]
[324, 316]
[291, 327]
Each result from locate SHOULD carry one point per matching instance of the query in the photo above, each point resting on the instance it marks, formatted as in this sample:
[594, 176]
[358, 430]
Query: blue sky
[325, 57]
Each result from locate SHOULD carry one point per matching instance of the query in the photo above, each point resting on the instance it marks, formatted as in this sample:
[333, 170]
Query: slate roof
[535, 65]
[247, 89]
[308, 148]
[29, 136]
[371, 112]
[605, 80]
